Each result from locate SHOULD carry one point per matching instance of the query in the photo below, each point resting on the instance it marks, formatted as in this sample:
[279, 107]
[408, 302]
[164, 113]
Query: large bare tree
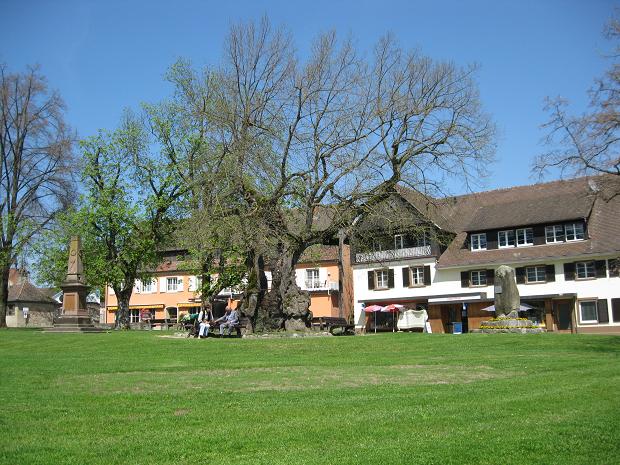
[36, 149]
[310, 143]
[587, 143]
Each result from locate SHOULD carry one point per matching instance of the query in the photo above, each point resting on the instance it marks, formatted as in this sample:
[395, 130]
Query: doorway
[564, 315]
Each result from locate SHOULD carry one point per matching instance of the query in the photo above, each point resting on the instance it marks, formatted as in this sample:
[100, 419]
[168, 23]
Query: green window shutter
[569, 271]
[520, 275]
[405, 276]
[464, 278]
[614, 268]
[601, 308]
[427, 275]
[490, 277]
[550, 273]
[391, 278]
[615, 310]
[601, 268]
[371, 280]
[539, 235]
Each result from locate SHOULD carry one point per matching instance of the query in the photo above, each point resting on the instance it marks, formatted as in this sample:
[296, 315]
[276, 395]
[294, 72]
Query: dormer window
[525, 236]
[479, 241]
[554, 233]
[399, 241]
[574, 232]
[506, 238]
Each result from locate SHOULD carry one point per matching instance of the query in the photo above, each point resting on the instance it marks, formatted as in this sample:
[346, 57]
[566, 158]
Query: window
[506, 238]
[417, 275]
[134, 316]
[535, 274]
[377, 246]
[312, 278]
[479, 278]
[588, 312]
[585, 270]
[399, 241]
[525, 236]
[172, 284]
[479, 241]
[421, 239]
[574, 232]
[382, 277]
[554, 233]
[148, 286]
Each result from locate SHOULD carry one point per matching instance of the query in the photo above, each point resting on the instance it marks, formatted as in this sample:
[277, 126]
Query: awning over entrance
[188, 304]
[137, 307]
[459, 298]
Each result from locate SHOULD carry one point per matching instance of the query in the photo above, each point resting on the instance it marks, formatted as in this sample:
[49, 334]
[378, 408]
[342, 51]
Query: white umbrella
[522, 308]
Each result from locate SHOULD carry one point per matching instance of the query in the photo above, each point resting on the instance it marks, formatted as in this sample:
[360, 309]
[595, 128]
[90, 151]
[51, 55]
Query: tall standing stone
[507, 298]
[75, 316]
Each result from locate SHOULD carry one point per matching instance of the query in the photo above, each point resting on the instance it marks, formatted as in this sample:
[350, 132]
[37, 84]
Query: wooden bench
[214, 330]
[163, 323]
[330, 323]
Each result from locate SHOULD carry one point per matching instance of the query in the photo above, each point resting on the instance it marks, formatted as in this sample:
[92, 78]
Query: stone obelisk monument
[74, 316]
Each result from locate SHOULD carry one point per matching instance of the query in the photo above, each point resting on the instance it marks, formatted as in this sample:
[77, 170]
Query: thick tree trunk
[122, 318]
[286, 305]
[4, 293]
[252, 302]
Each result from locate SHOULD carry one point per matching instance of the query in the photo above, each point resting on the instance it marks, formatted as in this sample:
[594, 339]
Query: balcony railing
[316, 285]
[387, 255]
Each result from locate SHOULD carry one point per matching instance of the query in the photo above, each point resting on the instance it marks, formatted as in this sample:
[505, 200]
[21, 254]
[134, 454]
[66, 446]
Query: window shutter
[550, 273]
[136, 286]
[491, 240]
[601, 308]
[615, 310]
[427, 275]
[569, 271]
[614, 268]
[162, 284]
[490, 277]
[180, 284]
[520, 275]
[391, 278]
[191, 285]
[464, 278]
[371, 280]
[539, 235]
[405, 276]
[601, 268]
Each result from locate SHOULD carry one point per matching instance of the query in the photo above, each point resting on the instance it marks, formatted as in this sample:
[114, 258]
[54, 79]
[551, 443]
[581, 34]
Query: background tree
[35, 177]
[131, 195]
[588, 143]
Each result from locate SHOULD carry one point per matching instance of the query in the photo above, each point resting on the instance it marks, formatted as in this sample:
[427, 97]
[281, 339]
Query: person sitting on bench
[229, 321]
[203, 327]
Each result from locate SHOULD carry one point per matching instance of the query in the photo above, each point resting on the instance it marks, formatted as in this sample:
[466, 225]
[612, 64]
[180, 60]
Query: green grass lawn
[138, 398]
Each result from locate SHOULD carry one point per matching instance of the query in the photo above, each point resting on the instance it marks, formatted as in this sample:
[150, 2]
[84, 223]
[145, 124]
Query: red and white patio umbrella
[374, 309]
[393, 309]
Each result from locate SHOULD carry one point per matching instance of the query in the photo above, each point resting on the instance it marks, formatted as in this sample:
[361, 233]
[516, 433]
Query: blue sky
[108, 55]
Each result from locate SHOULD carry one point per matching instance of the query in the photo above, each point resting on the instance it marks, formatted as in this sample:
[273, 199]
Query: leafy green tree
[125, 213]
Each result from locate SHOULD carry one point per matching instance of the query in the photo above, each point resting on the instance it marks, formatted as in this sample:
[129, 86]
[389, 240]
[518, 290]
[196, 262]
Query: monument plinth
[74, 316]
